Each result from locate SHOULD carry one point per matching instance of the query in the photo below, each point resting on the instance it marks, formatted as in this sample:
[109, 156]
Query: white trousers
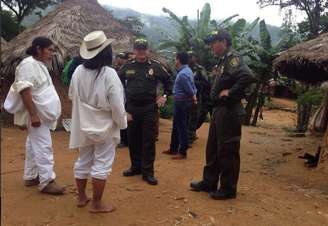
[95, 161]
[39, 158]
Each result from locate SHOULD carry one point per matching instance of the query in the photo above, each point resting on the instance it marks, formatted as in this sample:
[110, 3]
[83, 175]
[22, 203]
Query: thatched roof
[306, 62]
[67, 25]
[3, 42]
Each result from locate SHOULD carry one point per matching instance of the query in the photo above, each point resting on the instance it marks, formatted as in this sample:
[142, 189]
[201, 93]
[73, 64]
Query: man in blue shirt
[184, 92]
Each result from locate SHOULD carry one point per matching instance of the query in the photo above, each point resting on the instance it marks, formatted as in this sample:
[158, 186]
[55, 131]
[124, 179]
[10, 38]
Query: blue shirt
[184, 85]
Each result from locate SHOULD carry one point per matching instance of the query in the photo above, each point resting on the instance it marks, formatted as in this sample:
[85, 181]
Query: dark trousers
[222, 159]
[124, 136]
[192, 122]
[141, 138]
[179, 136]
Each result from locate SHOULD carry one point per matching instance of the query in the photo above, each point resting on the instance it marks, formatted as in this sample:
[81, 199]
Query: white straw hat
[93, 43]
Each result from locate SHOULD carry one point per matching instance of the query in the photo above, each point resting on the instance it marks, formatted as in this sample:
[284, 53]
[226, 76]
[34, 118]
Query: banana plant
[192, 35]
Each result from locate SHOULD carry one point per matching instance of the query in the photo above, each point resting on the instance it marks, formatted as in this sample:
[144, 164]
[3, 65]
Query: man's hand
[129, 117]
[35, 121]
[194, 100]
[224, 93]
[161, 100]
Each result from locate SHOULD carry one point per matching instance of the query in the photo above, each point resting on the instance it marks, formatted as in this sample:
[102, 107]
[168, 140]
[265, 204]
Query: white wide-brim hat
[93, 43]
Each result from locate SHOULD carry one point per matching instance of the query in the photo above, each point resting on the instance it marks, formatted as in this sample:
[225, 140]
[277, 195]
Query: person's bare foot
[82, 202]
[101, 208]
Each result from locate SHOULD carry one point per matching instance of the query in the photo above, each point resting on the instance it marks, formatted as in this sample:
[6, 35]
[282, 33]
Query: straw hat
[94, 43]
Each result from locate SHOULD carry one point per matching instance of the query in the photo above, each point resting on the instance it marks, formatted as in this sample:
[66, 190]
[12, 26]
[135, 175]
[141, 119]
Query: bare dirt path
[275, 188]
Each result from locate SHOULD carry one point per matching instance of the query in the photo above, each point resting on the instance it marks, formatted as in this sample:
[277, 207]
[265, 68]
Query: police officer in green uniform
[141, 77]
[222, 151]
[200, 110]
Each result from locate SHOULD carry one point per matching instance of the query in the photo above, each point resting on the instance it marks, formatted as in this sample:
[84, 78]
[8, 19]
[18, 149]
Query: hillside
[156, 28]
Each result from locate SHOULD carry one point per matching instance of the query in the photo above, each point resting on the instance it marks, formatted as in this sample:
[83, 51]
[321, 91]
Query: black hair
[104, 58]
[41, 42]
[183, 57]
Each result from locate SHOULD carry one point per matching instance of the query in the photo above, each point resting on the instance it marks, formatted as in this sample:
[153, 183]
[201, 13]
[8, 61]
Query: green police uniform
[141, 81]
[222, 150]
[199, 112]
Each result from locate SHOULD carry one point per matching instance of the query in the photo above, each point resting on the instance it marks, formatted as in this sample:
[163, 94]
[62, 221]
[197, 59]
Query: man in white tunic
[35, 104]
[98, 115]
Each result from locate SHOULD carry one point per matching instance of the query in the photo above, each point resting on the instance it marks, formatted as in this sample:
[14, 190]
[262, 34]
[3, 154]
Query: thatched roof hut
[66, 26]
[3, 42]
[307, 62]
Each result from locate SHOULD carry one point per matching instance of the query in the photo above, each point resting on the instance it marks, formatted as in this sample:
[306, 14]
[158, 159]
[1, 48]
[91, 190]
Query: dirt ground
[275, 188]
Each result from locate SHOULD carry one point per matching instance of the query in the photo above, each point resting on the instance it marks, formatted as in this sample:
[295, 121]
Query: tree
[191, 35]
[22, 8]
[313, 9]
[9, 25]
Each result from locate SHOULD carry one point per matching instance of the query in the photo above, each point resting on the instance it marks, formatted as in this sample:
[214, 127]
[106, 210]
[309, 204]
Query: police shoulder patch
[234, 61]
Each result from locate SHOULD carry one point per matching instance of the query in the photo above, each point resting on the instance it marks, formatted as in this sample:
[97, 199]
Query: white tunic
[98, 107]
[33, 74]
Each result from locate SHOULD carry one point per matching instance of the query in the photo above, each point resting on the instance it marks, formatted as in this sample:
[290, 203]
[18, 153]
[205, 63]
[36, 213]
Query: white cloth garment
[98, 112]
[95, 161]
[39, 159]
[33, 74]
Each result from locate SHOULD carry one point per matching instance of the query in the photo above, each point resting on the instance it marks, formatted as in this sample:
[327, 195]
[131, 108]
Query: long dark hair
[104, 58]
[41, 42]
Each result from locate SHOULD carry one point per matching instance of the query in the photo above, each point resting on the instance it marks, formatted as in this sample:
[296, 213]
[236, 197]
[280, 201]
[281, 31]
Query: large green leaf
[182, 25]
[252, 25]
[238, 27]
[265, 37]
[204, 21]
[226, 21]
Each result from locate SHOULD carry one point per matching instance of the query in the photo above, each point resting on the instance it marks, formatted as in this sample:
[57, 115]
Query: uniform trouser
[124, 136]
[95, 161]
[157, 124]
[192, 121]
[39, 158]
[222, 160]
[202, 116]
[141, 137]
[179, 137]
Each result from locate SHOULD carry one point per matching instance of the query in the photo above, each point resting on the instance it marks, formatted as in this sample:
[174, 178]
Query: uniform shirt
[141, 80]
[98, 106]
[184, 85]
[33, 74]
[233, 75]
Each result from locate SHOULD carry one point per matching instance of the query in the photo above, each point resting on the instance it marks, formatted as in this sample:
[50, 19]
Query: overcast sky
[247, 9]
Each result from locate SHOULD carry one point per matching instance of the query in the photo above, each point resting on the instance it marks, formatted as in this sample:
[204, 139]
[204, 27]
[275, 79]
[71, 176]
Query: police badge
[151, 72]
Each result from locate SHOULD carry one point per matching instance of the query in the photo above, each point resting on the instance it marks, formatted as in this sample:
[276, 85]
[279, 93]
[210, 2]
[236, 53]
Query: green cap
[141, 43]
[218, 35]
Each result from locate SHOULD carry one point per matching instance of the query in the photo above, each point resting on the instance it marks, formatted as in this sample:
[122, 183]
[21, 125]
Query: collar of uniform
[148, 61]
[226, 54]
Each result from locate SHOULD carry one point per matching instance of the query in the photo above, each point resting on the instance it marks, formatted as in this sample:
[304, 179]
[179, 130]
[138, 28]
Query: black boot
[150, 179]
[131, 172]
[222, 195]
[202, 186]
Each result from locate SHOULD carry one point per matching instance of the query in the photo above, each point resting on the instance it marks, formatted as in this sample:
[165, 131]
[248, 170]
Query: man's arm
[166, 79]
[244, 78]
[28, 102]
